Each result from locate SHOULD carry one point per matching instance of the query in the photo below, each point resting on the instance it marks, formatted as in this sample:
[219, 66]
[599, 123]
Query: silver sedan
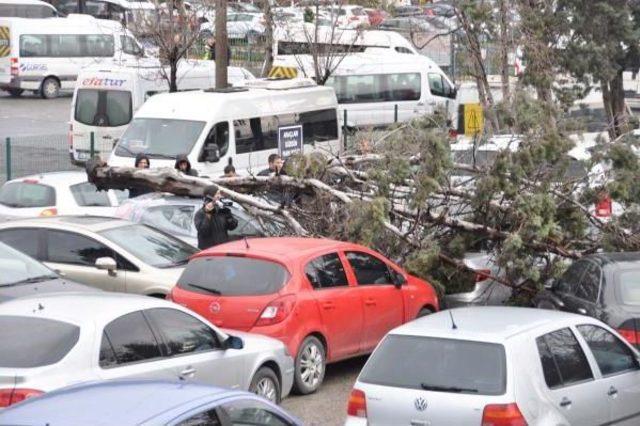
[56, 340]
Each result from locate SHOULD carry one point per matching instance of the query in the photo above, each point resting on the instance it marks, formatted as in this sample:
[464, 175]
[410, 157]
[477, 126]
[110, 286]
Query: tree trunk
[268, 54]
[504, 50]
[222, 45]
[173, 71]
[618, 106]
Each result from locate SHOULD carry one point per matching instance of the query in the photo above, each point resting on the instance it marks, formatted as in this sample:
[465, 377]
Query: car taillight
[482, 274]
[276, 311]
[503, 415]
[357, 404]
[632, 336]
[604, 207]
[13, 396]
[15, 67]
[70, 137]
[49, 212]
[453, 133]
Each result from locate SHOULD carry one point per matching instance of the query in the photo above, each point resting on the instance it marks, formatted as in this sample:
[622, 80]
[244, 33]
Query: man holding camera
[213, 220]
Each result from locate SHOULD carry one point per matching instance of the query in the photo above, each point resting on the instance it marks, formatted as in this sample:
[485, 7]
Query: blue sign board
[289, 140]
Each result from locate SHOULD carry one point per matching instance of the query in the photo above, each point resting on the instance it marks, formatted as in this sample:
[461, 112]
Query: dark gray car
[21, 275]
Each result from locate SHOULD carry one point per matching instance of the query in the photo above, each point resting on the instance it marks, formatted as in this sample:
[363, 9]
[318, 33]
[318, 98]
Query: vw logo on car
[420, 404]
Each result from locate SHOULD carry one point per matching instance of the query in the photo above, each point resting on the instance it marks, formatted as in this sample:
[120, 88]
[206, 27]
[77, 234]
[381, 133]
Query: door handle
[187, 372]
[370, 302]
[328, 305]
[566, 402]
[612, 391]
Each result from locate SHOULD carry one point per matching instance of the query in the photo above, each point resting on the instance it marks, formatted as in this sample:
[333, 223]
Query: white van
[242, 126]
[106, 97]
[46, 55]
[26, 9]
[377, 89]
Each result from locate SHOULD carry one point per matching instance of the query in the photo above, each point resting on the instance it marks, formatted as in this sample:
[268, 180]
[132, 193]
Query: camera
[224, 202]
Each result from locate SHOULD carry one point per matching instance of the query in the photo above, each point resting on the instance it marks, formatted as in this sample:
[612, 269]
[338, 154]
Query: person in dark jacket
[213, 220]
[210, 53]
[275, 166]
[183, 165]
[141, 162]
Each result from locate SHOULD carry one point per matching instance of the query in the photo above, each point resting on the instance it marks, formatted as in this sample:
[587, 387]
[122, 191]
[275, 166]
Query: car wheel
[265, 384]
[15, 93]
[50, 88]
[310, 366]
[545, 304]
[424, 312]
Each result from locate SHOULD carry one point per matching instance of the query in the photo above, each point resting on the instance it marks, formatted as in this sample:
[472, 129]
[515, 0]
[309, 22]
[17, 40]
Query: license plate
[83, 155]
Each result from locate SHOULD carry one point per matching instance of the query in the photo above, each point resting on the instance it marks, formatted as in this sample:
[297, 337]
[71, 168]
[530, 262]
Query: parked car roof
[68, 178]
[290, 248]
[87, 223]
[485, 323]
[124, 402]
[619, 257]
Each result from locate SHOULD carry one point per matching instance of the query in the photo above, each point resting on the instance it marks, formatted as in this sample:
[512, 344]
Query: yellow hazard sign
[473, 119]
[283, 72]
[5, 42]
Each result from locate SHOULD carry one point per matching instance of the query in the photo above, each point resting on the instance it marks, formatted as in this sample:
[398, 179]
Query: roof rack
[231, 89]
[280, 84]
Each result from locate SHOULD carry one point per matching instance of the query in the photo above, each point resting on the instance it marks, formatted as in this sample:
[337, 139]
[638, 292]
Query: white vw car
[499, 366]
[55, 340]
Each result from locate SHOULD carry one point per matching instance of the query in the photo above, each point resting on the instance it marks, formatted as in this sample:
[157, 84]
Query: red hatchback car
[326, 300]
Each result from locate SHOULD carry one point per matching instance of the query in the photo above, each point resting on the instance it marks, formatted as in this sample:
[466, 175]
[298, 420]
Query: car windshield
[17, 268]
[34, 342]
[233, 276]
[629, 285]
[151, 246]
[159, 138]
[441, 365]
[27, 194]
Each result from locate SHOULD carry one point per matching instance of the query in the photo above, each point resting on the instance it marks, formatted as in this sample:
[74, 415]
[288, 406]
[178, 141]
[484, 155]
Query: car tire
[545, 304]
[424, 312]
[265, 383]
[50, 88]
[310, 366]
[15, 93]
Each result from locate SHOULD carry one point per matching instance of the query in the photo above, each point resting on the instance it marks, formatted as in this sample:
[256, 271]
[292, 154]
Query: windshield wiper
[33, 280]
[125, 149]
[207, 289]
[436, 388]
[162, 156]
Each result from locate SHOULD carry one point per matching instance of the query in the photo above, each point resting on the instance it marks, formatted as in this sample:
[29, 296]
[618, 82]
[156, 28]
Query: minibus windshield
[159, 137]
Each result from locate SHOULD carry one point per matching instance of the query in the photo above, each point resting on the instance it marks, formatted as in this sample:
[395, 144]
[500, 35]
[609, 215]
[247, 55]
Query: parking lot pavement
[30, 115]
[328, 406]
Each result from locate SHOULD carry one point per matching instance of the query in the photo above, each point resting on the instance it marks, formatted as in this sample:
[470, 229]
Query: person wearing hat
[213, 220]
[184, 165]
[141, 162]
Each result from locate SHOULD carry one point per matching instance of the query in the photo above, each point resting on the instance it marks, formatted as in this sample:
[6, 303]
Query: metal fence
[27, 155]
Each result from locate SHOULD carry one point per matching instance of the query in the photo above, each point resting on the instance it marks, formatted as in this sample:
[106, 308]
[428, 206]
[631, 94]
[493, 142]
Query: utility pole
[82, 6]
[222, 44]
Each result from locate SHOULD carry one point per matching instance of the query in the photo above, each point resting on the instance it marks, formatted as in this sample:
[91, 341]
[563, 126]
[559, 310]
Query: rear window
[87, 195]
[103, 108]
[34, 342]
[629, 287]
[445, 365]
[233, 276]
[25, 194]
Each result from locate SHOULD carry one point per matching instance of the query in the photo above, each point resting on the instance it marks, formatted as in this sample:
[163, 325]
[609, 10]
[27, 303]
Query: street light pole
[222, 44]
[82, 6]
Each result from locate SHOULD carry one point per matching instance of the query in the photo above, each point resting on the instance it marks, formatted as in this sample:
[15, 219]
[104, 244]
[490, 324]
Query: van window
[130, 46]
[440, 86]
[217, 139]
[250, 136]
[66, 46]
[376, 87]
[104, 108]
[319, 125]
[159, 137]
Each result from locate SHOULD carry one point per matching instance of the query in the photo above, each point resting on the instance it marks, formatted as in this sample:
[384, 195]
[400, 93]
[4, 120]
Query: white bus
[106, 97]
[46, 55]
[26, 9]
[376, 89]
[242, 126]
[128, 13]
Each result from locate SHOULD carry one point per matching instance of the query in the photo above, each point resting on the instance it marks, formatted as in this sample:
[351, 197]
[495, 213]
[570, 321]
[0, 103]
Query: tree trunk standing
[222, 43]
[504, 49]
[173, 71]
[82, 6]
[618, 106]
[268, 54]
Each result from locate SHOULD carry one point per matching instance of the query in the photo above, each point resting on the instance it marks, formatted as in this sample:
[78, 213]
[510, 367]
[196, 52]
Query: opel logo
[215, 307]
[420, 404]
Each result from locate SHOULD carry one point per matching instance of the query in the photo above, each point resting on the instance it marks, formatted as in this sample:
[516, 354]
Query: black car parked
[605, 286]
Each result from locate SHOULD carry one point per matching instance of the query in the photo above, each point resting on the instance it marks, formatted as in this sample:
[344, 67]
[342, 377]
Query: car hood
[256, 342]
[49, 286]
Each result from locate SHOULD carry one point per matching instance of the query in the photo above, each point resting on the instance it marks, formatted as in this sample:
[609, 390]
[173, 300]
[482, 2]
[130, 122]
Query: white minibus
[46, 55]
[26, 9]
[241, 126]
[106, 97]
[378, 89]
[128, 13]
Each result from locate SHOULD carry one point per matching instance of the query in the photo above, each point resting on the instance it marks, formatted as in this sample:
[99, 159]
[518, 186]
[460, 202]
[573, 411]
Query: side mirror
[233, 342]
[106, 264]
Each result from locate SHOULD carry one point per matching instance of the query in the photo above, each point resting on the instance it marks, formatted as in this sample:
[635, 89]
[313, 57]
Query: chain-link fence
[27, 155]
